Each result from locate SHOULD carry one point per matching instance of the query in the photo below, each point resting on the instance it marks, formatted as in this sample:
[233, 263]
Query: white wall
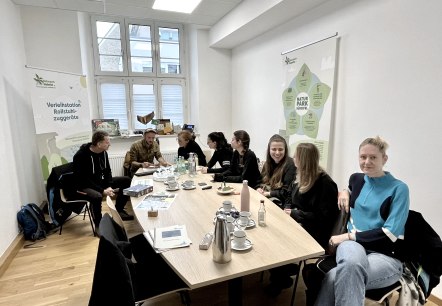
[51, 39]
[389, 77]
[19, 163]
[210, 90]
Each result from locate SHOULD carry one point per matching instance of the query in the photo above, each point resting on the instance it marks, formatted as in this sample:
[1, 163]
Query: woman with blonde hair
[188, 145]
[365, 257]
[312, 203]
[278, 171]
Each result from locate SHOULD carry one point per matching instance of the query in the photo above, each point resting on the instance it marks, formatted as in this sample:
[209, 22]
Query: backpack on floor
[32, 221]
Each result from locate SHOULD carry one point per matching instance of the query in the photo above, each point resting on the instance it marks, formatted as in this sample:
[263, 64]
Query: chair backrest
[115, 215]
[112, 283]
[421, 249]
[67, 186]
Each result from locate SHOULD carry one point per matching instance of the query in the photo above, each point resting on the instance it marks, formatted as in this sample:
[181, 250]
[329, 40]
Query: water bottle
[245, 196]
[222, 251]
[181, 165]
[192, 165]
[262, 214]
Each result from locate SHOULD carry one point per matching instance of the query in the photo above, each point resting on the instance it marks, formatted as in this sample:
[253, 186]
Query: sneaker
[125, 216]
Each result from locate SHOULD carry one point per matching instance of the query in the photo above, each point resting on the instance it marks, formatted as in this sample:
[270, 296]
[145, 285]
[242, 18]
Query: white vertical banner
[61, 115]
[307, 95]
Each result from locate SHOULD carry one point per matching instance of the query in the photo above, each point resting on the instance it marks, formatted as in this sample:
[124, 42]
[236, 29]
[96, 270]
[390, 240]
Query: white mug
[227, 206]
[239, 237]
[244, 217]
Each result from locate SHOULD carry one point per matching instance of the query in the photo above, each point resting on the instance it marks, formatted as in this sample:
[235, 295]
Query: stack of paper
[168, 237]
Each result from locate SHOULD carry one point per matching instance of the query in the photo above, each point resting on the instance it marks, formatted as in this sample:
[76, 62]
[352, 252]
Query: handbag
[339, 228]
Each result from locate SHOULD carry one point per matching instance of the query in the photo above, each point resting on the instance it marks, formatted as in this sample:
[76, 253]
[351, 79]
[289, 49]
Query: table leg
[235, 291]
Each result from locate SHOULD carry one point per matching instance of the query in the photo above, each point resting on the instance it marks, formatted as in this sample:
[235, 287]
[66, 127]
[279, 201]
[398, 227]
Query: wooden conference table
[281, 242]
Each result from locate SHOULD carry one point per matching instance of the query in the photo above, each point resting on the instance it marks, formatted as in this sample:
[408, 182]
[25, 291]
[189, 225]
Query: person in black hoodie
[93, 176]
[222, 155]
[244, 164]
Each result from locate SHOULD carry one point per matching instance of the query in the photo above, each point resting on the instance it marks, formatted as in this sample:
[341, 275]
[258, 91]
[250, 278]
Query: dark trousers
[95, 197]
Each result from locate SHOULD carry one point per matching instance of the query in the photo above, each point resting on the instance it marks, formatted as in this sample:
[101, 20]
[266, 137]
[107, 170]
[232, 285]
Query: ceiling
[207, 13]
[231, 22]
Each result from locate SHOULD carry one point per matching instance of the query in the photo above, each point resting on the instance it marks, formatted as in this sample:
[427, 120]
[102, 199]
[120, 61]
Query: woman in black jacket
[188, 145]
[222, 155]
[244, 165]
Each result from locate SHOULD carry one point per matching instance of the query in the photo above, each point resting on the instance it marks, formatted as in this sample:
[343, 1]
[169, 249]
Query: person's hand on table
[204, 170]
[344, 200]
[288, 211]
[147, 165]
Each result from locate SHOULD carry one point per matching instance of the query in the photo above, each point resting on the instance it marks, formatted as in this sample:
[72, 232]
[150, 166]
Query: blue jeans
[356, 272]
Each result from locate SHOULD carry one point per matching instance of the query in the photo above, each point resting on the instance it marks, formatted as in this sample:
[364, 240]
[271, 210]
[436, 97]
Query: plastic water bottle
[192, 165]
[245, 196]
[262, 214]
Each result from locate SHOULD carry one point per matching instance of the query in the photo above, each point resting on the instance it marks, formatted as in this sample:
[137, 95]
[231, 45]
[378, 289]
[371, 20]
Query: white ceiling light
[180, 6]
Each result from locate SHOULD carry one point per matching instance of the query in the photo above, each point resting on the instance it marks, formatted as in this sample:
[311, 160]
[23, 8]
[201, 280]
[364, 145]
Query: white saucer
[251, 223]
[189, 188]
[226, 192]
[172, 189]
[221, 209]
[247, 245]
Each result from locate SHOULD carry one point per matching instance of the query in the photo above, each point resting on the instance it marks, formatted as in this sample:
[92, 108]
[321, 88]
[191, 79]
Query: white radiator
[116, 162]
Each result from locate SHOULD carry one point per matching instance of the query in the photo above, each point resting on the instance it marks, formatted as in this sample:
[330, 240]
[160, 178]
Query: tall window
[139, 69]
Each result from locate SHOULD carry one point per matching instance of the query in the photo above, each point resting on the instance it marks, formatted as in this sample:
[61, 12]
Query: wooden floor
[59, 271]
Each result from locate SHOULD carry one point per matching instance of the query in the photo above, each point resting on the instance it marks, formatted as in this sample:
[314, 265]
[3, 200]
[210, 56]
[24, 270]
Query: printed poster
[307, 96]
[61, 116]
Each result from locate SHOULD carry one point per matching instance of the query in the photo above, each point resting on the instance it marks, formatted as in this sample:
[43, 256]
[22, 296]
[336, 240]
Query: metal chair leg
[292, 301]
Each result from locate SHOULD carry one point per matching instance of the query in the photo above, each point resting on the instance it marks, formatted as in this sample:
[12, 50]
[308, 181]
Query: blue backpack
[32, 221]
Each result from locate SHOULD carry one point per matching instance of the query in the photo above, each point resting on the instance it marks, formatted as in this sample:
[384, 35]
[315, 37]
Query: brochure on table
[171, 237]
[157, 201]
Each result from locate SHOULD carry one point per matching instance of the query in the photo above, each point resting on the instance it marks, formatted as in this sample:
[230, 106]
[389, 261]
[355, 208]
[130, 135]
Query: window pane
[108, 30]
[143, 103]
[140, 48]
[109, 46]
[113, 98]
[140, 64]
[169, 50]
[111, 63]
[172, 103]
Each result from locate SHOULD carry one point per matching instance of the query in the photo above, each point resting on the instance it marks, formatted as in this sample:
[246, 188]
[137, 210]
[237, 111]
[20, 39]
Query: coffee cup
[244, 218]
[230, 223]
[227, 206]
[173, 185]
[170, 179]
[239, 237]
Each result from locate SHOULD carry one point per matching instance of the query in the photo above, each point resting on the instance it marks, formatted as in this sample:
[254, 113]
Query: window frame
[128, 78]
[129, 82]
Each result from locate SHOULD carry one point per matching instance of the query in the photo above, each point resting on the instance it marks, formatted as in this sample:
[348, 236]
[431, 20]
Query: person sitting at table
[278, 171]
[244, 165]
[379, 205]
[311, 202]
[188, 145]
[93, 176]
[143, 152]
[222, 155]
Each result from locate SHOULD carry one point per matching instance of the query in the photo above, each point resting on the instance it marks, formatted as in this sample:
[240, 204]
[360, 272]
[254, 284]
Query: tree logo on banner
[303, 102]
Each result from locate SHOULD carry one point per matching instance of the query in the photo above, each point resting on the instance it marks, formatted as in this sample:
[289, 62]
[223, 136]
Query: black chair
[63, 196]
[69, 196]
[120, 281]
